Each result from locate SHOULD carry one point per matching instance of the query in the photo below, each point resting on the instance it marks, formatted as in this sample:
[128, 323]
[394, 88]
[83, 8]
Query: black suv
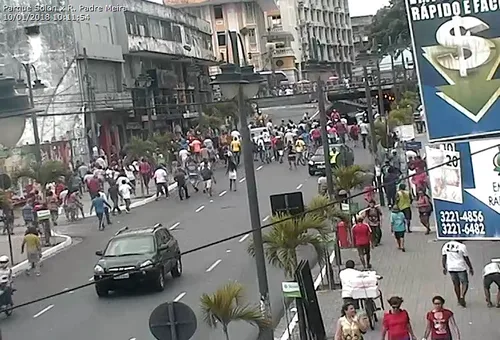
[136, 256]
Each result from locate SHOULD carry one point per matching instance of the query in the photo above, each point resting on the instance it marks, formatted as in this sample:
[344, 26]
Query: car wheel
[177, 270]
[101, 291]
[159, 283]
[311, 173]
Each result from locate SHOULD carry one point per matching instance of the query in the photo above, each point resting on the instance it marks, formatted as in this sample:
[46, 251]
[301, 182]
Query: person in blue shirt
[98, 204]
[398, 227]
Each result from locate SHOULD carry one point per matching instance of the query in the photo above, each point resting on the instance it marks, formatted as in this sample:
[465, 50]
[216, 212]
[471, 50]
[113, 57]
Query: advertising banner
[457, 50]
[466, 192]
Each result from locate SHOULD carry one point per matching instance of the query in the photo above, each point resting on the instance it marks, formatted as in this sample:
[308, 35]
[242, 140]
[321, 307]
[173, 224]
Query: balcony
[276, 32]
[284, 52]
[140, 44]
[113, 100]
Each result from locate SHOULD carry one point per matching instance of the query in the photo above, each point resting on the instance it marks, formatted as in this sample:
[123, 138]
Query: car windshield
[124, 246]
[319, 152]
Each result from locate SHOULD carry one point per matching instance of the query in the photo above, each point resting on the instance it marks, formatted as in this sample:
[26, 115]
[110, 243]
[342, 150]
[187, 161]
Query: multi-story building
[90, 68]
[243, 16]
[361, 32]
[323, 42]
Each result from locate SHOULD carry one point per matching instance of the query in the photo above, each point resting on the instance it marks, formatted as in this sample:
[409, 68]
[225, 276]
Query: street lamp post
[33, 116]
[144, 81]
[367, 59]
[243, 83]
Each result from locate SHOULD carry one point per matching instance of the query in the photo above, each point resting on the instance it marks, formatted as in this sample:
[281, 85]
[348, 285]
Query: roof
[136, 231]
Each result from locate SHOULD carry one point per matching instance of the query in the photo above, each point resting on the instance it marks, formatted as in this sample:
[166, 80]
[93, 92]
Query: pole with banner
[457, 50]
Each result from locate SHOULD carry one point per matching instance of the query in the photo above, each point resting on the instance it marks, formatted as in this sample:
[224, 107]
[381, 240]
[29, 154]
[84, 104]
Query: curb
[46, 253]
[69, 241]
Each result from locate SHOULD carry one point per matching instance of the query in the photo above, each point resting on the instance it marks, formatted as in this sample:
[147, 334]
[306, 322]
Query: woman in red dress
[440, 322]
[396, 324]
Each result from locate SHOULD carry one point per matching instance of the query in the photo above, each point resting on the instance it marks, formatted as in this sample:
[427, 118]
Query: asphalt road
[81, 315]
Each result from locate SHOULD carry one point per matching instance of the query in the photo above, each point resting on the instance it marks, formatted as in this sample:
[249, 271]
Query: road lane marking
[180, 296]
[265, 218]
[200, 208]
[228, 251]
[91, 279]
[215, 264]
[46, 309]
[299, 186]
[259, 168]
[242, 180]
[174, 226]
[69, 291]
[223, 193]
[243, 238]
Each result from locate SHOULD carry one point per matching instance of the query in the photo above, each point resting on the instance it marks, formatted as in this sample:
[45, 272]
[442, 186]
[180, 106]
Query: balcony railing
[283, 52]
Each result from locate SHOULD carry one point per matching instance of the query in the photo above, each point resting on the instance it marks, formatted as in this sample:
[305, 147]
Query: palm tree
[43, 173]
[227, 304]
[138, 148]
[288, 234]
[349, 177]
[323, 207]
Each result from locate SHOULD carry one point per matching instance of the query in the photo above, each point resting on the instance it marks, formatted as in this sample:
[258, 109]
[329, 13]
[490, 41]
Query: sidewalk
[417, 276]
[17, 240]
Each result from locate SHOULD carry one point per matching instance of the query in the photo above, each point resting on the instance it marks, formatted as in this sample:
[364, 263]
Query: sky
[365, 7]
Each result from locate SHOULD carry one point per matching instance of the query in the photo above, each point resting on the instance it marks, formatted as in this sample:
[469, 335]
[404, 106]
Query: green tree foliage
[287, 235]
[44, 173]
[349, 177]
[227, 304]
[217, 114]
[138, 148]
[322, 207]
[390, 28]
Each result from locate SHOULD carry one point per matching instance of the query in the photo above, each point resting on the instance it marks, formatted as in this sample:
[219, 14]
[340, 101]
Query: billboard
[457, 50]
[466, 192]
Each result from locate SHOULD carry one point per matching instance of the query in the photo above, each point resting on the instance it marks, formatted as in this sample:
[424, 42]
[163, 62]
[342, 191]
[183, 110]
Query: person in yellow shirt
[33, 246]
[236, 149]
[403, 201]
[300, 146]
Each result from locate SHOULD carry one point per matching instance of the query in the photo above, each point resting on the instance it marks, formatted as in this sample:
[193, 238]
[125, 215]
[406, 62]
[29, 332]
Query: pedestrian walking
[180, 178]
[403, 202]
[114, 196]
[161, 179]
[364, 128]
[398, 227]
[207, 175]
[106, 206]
[491, 274]
[125, 191]
[425, 209]
[362, 236]
[33, 246]
[455, 261]
[374, 217]
[396, 324]
[440, 322]
[232, 174]
[53, 205]
[350, 326]
[390, 182]
[98, 204]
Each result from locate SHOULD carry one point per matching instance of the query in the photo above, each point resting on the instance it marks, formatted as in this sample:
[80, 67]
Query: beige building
[244, 16]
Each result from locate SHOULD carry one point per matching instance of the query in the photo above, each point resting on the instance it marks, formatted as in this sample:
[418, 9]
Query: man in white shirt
[183, 155]
[161, 179]
[125, 191]
[347, 276]
[106, 209]
[364, 129]
[455, 260]
[289, 136]
[491, 274]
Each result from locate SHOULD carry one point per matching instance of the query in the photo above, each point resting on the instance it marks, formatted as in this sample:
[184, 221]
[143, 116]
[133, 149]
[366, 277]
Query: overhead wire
[238, 235]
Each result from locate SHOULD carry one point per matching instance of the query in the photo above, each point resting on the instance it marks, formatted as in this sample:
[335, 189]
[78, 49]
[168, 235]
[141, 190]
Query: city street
[82, 315]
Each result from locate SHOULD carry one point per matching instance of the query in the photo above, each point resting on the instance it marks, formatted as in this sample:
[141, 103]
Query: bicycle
[370, 307]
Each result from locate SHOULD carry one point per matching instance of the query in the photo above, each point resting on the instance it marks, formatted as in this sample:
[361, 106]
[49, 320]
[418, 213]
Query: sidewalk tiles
[417, 276]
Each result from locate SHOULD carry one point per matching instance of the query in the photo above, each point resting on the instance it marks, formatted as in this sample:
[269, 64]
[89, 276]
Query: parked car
[134, 257]
[317, 161]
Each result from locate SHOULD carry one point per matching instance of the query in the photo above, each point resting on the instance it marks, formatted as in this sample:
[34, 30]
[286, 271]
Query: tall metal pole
[149, 108]
[370, 115]
[372, 128]
[34, 120]
[90, 101]
[253, 204]
[326, 152]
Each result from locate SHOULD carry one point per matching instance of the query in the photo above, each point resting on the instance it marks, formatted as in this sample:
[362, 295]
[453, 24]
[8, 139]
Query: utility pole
[90, 101]
[33, 116]
[386, 117]
[326, 152]
[370, 116]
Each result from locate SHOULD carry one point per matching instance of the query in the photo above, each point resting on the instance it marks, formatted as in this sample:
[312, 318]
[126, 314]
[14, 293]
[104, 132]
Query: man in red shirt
[362, 235]
[93, 185]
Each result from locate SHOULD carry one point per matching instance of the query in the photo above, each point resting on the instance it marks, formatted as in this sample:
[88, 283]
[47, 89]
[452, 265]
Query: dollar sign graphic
[450, 35]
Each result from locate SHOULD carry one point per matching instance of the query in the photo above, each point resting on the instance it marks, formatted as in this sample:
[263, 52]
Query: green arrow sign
[291, 289]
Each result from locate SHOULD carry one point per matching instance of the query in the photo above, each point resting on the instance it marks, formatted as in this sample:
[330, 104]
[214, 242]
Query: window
[221, 38]
[142, 25]
[176, 30]
[250, 12]
[218, 13]
[251, 36]
[188, 36]
[88, 31]
[129, 246]
[155, 28]
[130, 21]
[111, 83]
[167, 30]
[105, 34]
[98, 37]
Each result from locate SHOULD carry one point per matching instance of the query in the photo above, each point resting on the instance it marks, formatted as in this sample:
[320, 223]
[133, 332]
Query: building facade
[89, 69]
[361, 32]
[322, 37]
[243, 16]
